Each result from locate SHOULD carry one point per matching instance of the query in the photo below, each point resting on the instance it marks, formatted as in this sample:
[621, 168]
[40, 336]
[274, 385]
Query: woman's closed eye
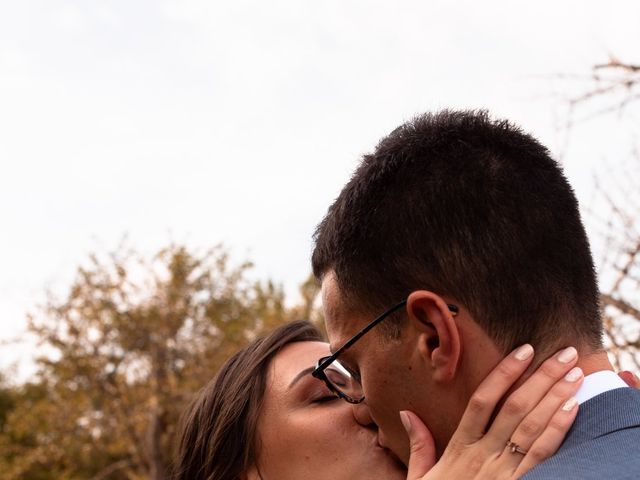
[325, 399]
[323, 395]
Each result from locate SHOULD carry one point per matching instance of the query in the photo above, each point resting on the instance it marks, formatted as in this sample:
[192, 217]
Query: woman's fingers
[527, 429]
[423, 450]
[536, 422]
[550, 440]
[465, 450]
[531, 393]
[629, 378]
[484, 400]
[549, 420]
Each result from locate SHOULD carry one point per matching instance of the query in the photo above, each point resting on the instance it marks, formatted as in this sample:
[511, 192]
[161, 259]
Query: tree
[614, 87]
[123, 353]
[620, 263]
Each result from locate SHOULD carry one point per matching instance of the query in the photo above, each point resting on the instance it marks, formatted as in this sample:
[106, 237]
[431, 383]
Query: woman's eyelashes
[322, 396]
[325, 399]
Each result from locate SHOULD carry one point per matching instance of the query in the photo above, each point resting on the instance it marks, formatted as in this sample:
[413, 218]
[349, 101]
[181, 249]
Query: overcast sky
[238, 122]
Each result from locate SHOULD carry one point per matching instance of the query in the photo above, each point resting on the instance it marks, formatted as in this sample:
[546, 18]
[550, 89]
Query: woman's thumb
[423, 449]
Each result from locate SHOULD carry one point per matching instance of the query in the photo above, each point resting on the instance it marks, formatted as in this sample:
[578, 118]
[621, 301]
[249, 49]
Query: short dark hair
[472, 208]
[217, 438]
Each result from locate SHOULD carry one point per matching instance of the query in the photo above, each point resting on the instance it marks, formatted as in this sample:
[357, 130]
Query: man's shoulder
[614, 456]
[604, 441]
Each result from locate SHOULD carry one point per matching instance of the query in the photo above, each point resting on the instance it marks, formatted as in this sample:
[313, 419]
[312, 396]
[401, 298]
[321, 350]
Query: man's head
[453, 208]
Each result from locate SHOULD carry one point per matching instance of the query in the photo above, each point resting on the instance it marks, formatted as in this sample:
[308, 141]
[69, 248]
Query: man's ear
[439, 339]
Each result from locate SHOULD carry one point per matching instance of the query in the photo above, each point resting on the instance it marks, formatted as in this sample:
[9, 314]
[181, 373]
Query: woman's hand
[630, 378]
[527, 429]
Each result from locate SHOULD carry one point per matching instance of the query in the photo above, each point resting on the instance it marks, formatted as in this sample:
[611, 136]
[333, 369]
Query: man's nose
[362, 414]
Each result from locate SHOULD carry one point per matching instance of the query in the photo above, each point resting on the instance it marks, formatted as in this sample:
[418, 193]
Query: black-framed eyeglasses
[339, 378]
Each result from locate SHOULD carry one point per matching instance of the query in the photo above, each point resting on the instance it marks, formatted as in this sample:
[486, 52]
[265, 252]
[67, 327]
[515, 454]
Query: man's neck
[589, 362]
[594, 362]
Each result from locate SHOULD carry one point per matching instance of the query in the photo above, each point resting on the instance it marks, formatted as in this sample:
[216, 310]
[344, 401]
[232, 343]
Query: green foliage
[123, 354]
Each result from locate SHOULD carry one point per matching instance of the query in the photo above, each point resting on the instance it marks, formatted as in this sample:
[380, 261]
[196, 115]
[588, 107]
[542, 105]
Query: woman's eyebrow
[303, 373]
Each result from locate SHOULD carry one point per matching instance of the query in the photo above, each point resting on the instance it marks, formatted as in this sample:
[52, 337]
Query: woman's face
[305, 432]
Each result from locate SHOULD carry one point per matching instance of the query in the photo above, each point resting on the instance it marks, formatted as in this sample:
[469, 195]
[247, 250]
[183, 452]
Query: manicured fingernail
[524, 352]
[406, 421]
[574, 375]
[569, 404]
[568, 354]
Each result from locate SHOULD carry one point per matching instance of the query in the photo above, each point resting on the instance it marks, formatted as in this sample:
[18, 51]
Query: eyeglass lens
[343, 380]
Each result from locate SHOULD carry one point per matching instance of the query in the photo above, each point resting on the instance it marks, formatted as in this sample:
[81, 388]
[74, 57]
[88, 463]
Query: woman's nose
[362, 414]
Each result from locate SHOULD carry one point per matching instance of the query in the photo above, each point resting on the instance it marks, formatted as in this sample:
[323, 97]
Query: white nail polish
[406, 422]
[569, 404]
[574, 375]
[568, 354]
[524, 352]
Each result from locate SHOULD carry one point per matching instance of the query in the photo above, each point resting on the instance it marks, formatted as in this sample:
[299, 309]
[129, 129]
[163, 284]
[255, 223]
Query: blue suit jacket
[604, 442]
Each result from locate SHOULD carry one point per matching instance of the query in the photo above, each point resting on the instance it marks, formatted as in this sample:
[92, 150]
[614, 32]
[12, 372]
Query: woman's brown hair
[217, 439]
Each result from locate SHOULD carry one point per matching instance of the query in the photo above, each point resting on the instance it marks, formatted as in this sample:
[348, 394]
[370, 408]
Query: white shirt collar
[597, 383]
